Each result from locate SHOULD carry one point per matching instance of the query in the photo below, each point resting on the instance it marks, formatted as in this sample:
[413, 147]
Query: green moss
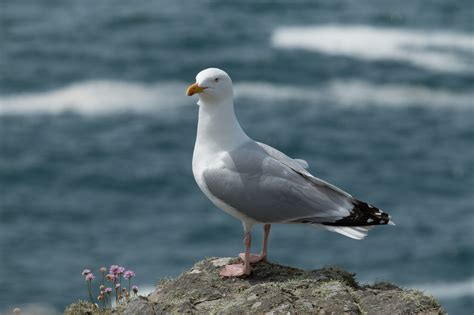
[381, 285]
[164, 281]
[324, 289]
[421, 302]
[85, 308]
[336, 273]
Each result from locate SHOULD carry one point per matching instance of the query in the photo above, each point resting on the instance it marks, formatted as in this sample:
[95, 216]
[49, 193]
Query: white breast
[218, 132]
[205, 160]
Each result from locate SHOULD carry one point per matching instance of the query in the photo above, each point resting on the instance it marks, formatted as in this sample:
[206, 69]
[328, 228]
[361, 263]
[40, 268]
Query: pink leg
[266, 229]
[263, 256]
[238, 270]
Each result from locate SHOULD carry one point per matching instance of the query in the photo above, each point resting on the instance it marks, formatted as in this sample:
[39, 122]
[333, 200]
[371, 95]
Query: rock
[276, 289]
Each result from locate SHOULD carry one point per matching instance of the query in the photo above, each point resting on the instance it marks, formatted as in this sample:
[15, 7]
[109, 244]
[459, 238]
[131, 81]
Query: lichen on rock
[277, 289]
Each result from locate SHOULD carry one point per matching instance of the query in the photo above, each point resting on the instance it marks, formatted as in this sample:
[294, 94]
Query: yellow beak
[194, 88]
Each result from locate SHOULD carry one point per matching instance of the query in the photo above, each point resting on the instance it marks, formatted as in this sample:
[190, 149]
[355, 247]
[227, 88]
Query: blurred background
[97, 136]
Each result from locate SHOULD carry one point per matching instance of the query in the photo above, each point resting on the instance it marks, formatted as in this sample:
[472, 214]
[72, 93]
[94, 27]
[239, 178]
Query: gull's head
[213, 86]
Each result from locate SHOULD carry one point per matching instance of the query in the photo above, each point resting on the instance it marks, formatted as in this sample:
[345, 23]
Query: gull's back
[270, 190]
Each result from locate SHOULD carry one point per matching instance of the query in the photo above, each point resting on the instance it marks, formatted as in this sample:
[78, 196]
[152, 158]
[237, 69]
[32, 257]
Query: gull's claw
[236, 270]
[253, 258]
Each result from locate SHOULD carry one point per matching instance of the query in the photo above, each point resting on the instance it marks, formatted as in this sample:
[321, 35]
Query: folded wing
[270, 187]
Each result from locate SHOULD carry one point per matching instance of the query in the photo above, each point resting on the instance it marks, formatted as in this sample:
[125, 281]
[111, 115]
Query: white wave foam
[358, 93]
[145, 290]
[96, 97]
[108, 97]
[433, 50]
[449, 290]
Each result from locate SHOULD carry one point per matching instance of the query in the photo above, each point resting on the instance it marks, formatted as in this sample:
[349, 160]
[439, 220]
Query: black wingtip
[362, 214]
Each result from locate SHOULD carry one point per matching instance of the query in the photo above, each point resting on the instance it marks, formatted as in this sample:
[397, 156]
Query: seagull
[257, 183]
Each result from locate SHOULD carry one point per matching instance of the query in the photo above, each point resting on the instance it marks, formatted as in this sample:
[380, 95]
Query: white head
[214, 87]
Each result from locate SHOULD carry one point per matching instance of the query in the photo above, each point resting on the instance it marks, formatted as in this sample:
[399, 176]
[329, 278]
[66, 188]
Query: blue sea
[97, 135]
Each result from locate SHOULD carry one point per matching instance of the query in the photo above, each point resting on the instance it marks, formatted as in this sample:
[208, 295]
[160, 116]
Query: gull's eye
[216, 80]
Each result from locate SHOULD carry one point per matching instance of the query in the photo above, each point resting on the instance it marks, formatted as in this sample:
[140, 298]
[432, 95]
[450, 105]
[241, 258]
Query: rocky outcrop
[276, 289]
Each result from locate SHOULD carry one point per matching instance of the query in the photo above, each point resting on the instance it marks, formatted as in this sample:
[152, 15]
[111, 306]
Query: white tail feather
[354, 232]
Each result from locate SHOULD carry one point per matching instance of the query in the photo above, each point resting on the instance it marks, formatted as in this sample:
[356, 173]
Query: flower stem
[89, 288]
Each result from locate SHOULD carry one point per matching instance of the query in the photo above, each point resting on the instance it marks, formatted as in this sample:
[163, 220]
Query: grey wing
[267, 190]
[297, 165]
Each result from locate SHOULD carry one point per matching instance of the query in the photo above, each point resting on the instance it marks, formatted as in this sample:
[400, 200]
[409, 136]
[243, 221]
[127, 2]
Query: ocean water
[96, 136]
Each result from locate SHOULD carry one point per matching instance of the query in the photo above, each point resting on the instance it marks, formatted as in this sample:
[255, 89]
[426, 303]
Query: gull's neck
[218, 128]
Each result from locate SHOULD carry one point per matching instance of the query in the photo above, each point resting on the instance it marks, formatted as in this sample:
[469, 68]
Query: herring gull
[258, 184]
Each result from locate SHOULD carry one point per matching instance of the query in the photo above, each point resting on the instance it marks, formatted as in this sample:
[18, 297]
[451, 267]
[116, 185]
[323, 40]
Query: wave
[448, 290]
[432, 50]
[359, 93]
[101, 97]
[96, 97]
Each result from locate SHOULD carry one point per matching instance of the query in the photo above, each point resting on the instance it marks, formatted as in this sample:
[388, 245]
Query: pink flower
[117, 285]
[85, 272]
[103, 269]
[90, 277]
[129, 274]
[108, 290]
[115, 269]
[135, 289]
